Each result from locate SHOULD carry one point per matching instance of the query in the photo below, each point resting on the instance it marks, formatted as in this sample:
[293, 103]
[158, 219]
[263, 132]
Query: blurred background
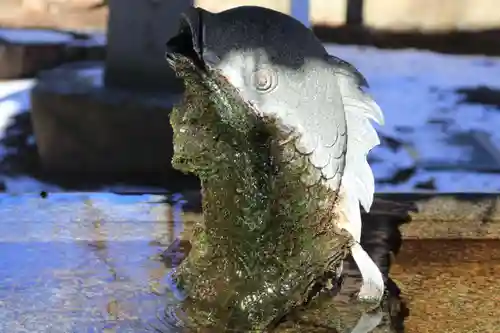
[85, 92]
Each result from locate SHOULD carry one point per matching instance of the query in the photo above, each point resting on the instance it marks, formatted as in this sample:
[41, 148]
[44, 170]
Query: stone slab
[25, 52]
[453, 215]
[419, 215]
[88, 47]
[84, 128]
[449, 285]
[449, 215]
[91, 267]
[20, 36]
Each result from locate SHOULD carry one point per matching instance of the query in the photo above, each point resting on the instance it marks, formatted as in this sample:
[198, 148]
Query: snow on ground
[35, 36]
[95, 39]
[414, 88]
[14, 99]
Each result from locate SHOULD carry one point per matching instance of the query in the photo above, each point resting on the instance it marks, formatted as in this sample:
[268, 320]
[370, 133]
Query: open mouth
[190, 52]
[188, 42]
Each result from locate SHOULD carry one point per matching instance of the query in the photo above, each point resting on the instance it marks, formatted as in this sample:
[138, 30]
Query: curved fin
[359, 108]
[358, 183]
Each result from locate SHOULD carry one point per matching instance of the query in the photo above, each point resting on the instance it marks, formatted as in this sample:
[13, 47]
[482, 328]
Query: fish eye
[264, 80]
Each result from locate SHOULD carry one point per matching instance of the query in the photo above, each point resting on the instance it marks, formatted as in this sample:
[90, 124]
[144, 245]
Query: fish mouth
[187, 44]
[192, 50]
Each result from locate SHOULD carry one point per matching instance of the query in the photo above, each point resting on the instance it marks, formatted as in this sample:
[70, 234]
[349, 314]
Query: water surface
[89, 263]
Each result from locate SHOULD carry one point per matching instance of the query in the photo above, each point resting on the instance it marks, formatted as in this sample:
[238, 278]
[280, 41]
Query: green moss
[267, 236]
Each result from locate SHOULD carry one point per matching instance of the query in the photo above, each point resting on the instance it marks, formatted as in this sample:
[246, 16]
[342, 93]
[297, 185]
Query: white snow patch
[93, 76]
[388, 161]
[34, 36]
[448, 181]
[20, 185]
[95, 40]
[14, 99]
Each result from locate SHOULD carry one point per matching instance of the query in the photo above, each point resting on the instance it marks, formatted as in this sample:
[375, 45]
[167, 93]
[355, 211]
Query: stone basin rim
[418, 215]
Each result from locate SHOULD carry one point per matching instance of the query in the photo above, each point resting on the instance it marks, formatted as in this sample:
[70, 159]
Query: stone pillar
[354, 14]
[137, 33]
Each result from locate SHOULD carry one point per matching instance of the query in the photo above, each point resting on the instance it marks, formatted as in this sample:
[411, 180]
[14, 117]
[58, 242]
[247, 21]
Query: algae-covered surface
[267, 236]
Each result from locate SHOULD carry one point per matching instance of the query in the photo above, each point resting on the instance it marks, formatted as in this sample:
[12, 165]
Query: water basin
[89, 262]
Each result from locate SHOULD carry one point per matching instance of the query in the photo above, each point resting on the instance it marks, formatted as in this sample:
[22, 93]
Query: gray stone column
[137, 33]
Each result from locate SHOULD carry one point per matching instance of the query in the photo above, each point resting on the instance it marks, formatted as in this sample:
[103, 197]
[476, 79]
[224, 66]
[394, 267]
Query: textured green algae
[267, 236]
